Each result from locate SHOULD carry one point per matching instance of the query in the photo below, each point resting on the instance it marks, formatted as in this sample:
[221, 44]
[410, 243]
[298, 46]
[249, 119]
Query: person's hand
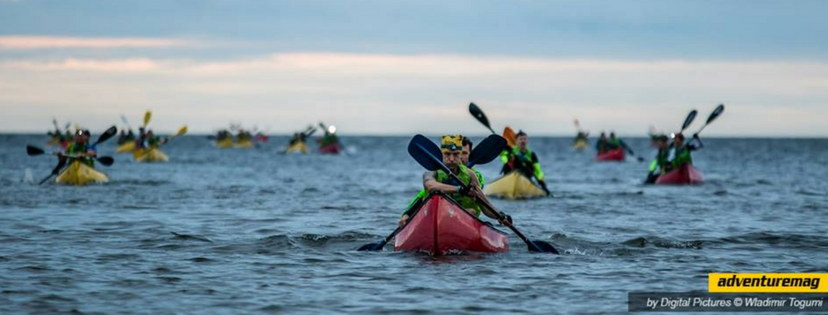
[505, 219]
[695, 136]
[403, 220]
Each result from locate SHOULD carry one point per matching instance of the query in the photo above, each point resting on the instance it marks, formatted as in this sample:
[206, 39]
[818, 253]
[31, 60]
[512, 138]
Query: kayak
[54, 141]
[298, 147]
[243, 144]
[150, 155]
[684, 175]
[224, 143]
[580, 145]
[612, 155]
[513, 186]
[79, 173]
[331, 148]
[126, 147]
[440, 226]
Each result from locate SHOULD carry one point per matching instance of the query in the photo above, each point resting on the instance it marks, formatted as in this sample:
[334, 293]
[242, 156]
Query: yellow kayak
[243, 144]
[298, 147]
[513, 186]
[224, 143]
[150, 155]
[580, 145]
[126, 147]
[78, 173]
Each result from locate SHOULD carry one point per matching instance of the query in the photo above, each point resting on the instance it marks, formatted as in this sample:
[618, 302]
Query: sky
[405, 67]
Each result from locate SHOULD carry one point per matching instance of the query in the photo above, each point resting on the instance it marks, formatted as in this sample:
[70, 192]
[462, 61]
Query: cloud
[387, 93]
[52, 42]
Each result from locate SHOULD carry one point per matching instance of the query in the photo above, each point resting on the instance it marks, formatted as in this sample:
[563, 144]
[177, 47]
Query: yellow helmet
[452, 143]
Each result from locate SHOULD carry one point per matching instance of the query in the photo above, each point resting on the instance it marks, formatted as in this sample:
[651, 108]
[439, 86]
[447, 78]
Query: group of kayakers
[328, 143]
[244, 139]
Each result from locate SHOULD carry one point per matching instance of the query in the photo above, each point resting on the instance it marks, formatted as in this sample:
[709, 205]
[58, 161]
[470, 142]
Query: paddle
[181, 132]
[54, 172]
[485, 151]
[147, 117]
[715, 114]
[480, 116]
[126, 122]
[34, 151]
[689, 120]
[105, 160]
[510, 136]
[420, 149]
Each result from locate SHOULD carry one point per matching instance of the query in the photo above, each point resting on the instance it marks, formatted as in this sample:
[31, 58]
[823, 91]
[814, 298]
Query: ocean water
[254, 231]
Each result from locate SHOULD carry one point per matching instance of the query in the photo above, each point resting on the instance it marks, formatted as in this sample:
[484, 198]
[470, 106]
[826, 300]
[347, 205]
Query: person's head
[679, 139]
[451, 146]
[603, 134]
[612, 135]
[82, 136]
[467, 147]
[662, 142]
[141, 131]
[150, 133]
[522, 140]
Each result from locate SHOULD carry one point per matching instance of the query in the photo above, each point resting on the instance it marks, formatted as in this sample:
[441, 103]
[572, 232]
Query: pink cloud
[52, 42]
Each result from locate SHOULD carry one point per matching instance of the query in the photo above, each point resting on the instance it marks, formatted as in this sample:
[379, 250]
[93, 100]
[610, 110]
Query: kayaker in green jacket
[659, 165]
[80, 149]
[464, 158]
[521, 158]
[451, 147]
[680, 154]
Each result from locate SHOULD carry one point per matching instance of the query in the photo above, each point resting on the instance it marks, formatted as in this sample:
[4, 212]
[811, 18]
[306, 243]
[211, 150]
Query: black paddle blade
[373, 247]
[426, 153]
[109, 133]
[542, 247]
[32, 150]
[716, 112]
[106, 160]
[487, 150]
[479, 115]
[689, 120]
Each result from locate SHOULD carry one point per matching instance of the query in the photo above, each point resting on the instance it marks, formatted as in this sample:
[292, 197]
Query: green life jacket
[661, 159]
[74, 148]
[423, 193]
[682, 157]
[465, 201]
[525, 159]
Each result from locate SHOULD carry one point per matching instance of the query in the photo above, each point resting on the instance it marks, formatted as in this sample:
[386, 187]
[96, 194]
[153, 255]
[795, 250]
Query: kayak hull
[298, 147]
[224, 143]
[151, 155]
[126, 147]
[331, 148]
[684, 175]
[615, 155]
[243, 144]
[442, 227]
[580, 145]
[79, 174]
[513, 186]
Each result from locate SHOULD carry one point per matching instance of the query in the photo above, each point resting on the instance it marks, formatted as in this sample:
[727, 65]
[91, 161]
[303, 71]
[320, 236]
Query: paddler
[680, 154]
[659, 164]
[582, 136]
[125, 137]
[452, 147]
[80, 149]
[602, 145]
[522, 159]
[615, 143]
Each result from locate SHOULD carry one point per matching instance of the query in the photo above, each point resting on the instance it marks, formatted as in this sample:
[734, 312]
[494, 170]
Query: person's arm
[536, 167]
[696, 138]
[430, 183]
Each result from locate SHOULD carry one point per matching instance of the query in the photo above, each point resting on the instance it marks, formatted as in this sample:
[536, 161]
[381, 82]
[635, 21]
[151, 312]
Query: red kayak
[331, 148]
[441, 227]
[684, 175]
[612, 155]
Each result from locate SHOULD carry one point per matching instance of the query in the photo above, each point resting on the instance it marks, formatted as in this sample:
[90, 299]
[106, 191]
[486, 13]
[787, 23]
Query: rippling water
[253, 231]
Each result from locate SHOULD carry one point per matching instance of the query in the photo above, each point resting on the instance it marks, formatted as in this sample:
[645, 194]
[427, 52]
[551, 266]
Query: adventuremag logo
[768, 282]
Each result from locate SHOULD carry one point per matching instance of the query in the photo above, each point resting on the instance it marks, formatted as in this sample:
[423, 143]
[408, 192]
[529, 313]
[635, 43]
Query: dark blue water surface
[252, 231]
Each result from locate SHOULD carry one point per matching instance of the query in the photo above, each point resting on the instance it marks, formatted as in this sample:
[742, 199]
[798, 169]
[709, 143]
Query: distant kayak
[442, 227]
[331, 148]
[612, 155]
[580, 145]
[79, 174]
[513, 186]
[298, 147]
[151, 155]
[224, 143]
[684, 175]
[243, 144]
[126, 147]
